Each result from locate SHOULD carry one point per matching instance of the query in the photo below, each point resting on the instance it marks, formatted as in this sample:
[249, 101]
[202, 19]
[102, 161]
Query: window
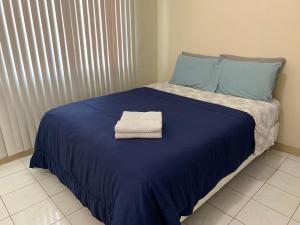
[56, 51]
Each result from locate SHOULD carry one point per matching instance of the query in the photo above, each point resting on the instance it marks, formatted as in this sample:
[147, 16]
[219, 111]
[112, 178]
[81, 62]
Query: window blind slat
[77, 48]
[60, 54]
[40, 53]
[9, 118]
[26, 64]
[94, 49]
[15, 74]
[32, 56]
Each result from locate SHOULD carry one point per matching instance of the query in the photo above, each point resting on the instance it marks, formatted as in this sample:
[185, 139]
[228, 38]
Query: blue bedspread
[142, 181]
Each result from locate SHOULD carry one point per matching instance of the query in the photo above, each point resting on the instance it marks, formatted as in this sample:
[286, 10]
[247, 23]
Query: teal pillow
[249, 78]
[197, 71]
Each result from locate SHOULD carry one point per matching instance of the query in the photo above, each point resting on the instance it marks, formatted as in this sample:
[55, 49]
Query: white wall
[260, 28]
[146, 39]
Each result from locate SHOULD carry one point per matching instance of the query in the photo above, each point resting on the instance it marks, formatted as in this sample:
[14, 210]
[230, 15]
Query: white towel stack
[139, 125]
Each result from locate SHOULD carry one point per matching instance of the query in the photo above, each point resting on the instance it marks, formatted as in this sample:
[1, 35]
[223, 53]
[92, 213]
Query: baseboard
[16, 156]
[287, 148]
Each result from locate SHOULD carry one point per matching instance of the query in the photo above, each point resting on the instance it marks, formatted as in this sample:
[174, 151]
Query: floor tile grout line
[271, 208]
[267, 182]
[18, 189]
[263, 203]
[27, 169]
[56, 193]
[21, 160]
[68, 220]
[226, 212]
[248, 201]
[66, 215]
[235, 213]
[238, 221]
[35, 181]
[239, 211]
[50, 198]
[38, 181]
[226, 185]
[12, 220]
[279, 153]
[57, 206]
[99, 220]
[8, 218]
[281, 189]
[13, 173]
[61, 220]
[298, 207]
[288, 173]
[7, 211]
[230, 221]
[41, 178]
[249, 197]
[4, 207]
[29, 207]
[295, 160]
[219, 209]
[276, 168]
[258, 178]
[252, 176]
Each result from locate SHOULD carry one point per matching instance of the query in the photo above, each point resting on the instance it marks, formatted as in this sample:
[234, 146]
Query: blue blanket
[142, 181]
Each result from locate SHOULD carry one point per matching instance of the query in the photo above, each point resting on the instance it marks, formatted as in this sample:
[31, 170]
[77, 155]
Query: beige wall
[261, 28]
[146, 41]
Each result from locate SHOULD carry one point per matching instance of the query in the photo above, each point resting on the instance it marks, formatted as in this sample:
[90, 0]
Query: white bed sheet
[265, 114]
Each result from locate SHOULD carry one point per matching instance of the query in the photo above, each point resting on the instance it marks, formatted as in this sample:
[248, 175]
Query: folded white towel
[138, 126]
[139, 122]
[141, 115]
[138, 135]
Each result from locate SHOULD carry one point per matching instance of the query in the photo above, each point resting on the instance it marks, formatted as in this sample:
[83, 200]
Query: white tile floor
[267, 192]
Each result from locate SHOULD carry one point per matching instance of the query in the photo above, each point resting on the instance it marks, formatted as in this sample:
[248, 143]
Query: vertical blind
[57, 51]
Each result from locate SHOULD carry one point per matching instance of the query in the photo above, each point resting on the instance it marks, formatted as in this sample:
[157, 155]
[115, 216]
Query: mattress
[143, 182]
[265, 114]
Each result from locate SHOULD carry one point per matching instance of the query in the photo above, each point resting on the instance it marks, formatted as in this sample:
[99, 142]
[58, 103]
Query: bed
[207, 139]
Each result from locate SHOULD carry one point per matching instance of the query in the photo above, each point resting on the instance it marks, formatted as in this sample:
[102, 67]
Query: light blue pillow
[249, 78]
[197, 71]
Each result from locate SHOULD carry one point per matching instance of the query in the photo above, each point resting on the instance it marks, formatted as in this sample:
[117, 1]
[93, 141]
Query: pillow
[197, 71]
[262, 60]
[252, 78]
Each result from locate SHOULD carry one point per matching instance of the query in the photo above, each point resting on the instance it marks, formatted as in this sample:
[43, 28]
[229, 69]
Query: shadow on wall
[280, 86]
[278, 94]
